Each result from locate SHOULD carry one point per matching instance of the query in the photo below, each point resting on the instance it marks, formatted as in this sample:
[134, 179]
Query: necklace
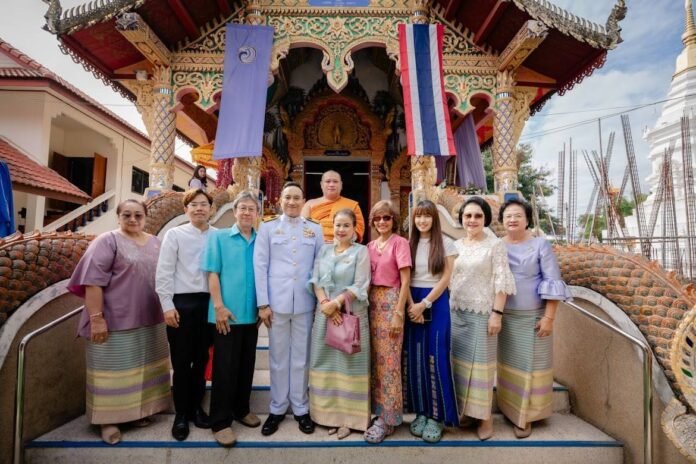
[382, 243]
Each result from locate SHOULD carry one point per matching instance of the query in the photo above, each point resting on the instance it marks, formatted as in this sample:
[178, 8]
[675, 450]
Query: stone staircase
[563, 438]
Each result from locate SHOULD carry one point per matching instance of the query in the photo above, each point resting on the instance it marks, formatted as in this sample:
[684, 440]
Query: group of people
[438, 319]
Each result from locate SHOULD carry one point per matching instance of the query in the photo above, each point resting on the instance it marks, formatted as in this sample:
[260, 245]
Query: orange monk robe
[324, 213]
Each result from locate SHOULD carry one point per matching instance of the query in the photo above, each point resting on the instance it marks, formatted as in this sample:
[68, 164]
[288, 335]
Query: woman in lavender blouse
[127, 351]
[525, 375]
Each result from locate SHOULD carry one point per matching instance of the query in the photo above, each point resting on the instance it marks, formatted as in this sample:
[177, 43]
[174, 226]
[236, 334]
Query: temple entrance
[355, 176]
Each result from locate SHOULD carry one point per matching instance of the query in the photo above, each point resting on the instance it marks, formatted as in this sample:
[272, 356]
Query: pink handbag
[344, 337]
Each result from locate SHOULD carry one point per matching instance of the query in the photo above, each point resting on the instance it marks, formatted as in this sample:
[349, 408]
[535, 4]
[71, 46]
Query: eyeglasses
[474, 215]
[513, 216]
[385, 218]
[246, 209]
[137, 216]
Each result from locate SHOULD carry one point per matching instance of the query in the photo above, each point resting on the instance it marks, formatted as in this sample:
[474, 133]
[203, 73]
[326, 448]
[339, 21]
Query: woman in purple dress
[127, 351]
[525, 375]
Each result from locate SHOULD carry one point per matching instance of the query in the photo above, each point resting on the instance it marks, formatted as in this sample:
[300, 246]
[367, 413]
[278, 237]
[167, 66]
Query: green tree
[528, 177]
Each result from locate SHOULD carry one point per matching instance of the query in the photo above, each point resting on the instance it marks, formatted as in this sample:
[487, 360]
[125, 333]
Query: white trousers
[290, 339]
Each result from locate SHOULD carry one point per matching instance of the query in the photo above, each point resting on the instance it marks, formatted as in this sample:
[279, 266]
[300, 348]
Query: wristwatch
[427, 302]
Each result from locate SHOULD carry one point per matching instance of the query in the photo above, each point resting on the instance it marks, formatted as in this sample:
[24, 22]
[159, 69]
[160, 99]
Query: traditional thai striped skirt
[339, 383]
[128, 376]
[385, 382]
[427, 372]
[473, 359]
[525, 369]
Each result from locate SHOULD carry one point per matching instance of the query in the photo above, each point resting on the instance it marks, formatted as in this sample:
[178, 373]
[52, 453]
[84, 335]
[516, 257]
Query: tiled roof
[28, 175]
[28, 68]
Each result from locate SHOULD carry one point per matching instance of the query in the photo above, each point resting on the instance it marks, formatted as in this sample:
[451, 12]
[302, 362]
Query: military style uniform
[283, 264]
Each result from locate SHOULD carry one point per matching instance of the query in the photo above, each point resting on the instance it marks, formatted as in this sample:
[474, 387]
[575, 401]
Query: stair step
[559, 439]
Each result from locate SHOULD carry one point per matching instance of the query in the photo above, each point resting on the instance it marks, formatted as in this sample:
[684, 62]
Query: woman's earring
[354, 238]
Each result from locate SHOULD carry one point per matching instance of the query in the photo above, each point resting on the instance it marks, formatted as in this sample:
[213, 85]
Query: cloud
[638, 71]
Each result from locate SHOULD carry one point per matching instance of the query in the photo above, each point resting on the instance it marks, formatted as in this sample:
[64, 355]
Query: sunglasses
[474, 215]
[385, 218]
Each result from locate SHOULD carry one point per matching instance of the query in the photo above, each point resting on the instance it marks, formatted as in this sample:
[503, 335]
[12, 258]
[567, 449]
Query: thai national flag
[428, 128]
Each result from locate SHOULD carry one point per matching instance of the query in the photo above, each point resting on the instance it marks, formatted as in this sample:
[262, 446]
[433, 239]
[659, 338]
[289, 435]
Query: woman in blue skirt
[427, 373]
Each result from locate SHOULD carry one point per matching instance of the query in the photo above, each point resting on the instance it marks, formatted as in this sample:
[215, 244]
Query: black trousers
[188, 346]
[234, 357]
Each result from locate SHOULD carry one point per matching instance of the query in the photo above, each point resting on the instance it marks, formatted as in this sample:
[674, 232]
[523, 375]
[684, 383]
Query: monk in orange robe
[323, 209]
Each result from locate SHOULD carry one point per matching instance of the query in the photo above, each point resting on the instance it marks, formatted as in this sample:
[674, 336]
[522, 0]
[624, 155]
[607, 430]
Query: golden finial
[689, 36]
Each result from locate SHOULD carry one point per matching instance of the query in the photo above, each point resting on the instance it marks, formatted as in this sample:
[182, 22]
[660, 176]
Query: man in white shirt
[182, 288]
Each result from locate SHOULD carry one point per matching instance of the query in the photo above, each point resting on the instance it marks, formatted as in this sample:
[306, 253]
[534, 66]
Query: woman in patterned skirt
[525, 375]
[427, 372]
[127, 350]
[481, 281]
[390, 264]
[339, 383]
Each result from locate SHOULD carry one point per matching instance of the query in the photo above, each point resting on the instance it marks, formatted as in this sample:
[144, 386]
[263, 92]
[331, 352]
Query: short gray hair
[246, 195]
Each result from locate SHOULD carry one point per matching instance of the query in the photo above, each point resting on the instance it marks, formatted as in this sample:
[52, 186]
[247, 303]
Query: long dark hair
[436, 258]
[204, 179]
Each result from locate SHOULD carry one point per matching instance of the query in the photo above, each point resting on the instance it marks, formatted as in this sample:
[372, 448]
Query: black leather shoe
[306, 424]
[200, 419]
[271, 425]
[180, 429]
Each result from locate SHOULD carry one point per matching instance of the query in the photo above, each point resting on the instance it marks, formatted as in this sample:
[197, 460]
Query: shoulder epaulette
[270, 218]
[313, 220]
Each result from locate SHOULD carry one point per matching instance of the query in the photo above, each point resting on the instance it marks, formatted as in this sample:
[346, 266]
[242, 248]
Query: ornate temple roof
[26, 69]
[29, 176]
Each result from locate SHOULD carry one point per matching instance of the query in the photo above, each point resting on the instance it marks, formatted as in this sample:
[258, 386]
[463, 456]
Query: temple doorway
[355, 176]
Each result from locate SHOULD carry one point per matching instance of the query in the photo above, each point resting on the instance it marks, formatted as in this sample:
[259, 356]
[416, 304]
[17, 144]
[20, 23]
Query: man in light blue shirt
[284, 259]
[228, 258]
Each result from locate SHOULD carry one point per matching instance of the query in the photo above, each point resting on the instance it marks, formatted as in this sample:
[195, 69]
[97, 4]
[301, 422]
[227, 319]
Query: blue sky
[638, 71]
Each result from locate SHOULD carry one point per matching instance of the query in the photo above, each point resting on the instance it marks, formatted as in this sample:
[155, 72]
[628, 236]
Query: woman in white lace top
[481, 281]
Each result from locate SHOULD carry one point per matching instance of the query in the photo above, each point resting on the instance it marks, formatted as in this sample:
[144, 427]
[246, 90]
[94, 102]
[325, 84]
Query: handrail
[55, 225]
[647, 379]
[19, 395]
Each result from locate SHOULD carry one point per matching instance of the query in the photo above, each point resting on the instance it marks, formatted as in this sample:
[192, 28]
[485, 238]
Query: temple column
[423, 177]
[504, 140]
[163, 132]
[423, 169]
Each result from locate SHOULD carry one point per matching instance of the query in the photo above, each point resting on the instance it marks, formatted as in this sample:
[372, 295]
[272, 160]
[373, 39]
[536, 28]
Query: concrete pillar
[36, 208]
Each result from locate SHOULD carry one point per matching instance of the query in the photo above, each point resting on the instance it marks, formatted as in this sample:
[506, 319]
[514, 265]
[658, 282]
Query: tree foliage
[528, 177]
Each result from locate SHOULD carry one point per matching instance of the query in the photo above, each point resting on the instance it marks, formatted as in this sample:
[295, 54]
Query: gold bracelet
[99, 314]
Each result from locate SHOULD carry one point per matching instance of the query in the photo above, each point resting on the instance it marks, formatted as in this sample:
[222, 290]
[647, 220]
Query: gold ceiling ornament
[144, 100]
[464, 86]
[336, 37]
[206, 85]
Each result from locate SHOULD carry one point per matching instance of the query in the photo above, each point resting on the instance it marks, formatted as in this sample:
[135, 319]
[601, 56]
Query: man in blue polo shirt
[228, 257]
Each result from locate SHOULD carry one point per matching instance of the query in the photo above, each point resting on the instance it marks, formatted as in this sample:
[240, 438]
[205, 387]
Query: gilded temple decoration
[164, 130]
[527, 39]
[206, 84]
[136, 30]
[336, 37]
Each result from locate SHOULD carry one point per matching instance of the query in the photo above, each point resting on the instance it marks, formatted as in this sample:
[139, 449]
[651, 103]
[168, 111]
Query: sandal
[523, 433]
[378, 431]
[342, 432]
[110, 434]
[144, 422]
[432, 433]
[418, 425]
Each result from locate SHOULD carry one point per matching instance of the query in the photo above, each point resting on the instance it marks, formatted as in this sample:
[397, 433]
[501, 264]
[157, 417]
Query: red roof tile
[29, 176]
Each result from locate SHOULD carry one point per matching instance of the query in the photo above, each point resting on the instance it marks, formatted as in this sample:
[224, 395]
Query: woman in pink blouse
[390, 262]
